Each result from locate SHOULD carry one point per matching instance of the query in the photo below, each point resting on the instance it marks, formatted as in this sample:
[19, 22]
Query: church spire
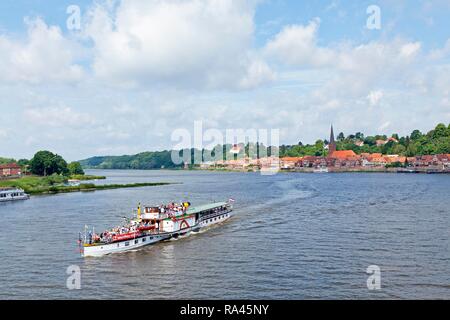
[332, 144]
[332, 135]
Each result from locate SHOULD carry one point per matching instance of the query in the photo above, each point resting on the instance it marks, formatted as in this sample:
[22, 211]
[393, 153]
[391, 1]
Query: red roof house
[11, 169]
[344, 154]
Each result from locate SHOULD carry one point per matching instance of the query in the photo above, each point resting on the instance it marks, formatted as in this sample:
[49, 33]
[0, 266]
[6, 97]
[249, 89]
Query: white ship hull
[122, 246]
[14, 198]
[213, 221]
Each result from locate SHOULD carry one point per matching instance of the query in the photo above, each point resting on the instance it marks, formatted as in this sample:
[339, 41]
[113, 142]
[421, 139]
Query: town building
[337, 160]
[343, 154]
[290, 162]
[10, 170]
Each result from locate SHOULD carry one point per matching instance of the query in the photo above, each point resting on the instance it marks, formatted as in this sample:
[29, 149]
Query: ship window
[151, 238]
[118, 245]
[127, 244]
[136, 241]
[144, 239]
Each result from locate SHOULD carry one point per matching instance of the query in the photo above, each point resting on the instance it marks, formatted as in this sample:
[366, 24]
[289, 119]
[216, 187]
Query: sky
[127, 74]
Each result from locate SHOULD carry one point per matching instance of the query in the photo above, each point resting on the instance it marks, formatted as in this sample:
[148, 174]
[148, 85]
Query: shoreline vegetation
[435, 141]
[86, 177]
[49, 173]
[34, 185]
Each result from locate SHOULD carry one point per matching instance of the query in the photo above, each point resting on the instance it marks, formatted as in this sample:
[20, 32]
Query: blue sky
[137, 70]
[342, 19]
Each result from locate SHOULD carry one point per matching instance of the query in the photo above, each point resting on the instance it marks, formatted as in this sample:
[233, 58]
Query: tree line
[435, 141]
[163, 159]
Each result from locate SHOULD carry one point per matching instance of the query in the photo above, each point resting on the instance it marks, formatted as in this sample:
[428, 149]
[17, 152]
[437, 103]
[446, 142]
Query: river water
[294, 236]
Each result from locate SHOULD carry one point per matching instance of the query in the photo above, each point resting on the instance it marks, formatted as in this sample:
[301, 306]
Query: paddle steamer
[154, 224]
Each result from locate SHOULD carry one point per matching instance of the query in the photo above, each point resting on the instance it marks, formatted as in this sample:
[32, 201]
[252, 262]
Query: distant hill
[153, 160]
[142, 161]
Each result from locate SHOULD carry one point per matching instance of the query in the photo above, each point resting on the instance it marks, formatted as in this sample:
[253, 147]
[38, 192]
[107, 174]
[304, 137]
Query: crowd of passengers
[174, 209]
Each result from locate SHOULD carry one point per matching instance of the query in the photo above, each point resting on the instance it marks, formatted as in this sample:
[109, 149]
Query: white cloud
[258, 72]
[124, 110]
[410, 50]
[297, 45]
[58, 117]
[185, 43]
[44, 56]
[114, 133]
[353, 69]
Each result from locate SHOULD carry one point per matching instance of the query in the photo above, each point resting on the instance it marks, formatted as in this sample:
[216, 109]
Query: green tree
[23, 162]
[319, 148]
[359, 136]
[371, 141]
[416, 134]
[75, 168]
[440, 131]
[45, 163]
[398, 149]
[6, 161]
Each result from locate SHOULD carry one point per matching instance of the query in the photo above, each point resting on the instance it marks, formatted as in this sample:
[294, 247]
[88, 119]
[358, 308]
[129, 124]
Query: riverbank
[421, 170]
[57, 184]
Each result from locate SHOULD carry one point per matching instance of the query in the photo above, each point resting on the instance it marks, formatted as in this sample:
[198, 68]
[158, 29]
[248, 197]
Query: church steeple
[332, 144]
[332, 135]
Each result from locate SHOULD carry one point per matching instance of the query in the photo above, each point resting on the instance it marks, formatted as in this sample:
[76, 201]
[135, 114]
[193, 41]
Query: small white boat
[12, 194]
[73, 182]
[321, 170]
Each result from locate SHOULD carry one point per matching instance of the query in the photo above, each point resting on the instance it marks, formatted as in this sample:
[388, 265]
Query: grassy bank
[92, 187]
[86, 177]
[55, 184]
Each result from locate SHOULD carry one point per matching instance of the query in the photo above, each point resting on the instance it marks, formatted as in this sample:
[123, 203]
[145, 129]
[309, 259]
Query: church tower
[332, 144]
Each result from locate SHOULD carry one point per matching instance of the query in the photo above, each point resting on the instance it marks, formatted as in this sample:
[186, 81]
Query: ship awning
[206, 207]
